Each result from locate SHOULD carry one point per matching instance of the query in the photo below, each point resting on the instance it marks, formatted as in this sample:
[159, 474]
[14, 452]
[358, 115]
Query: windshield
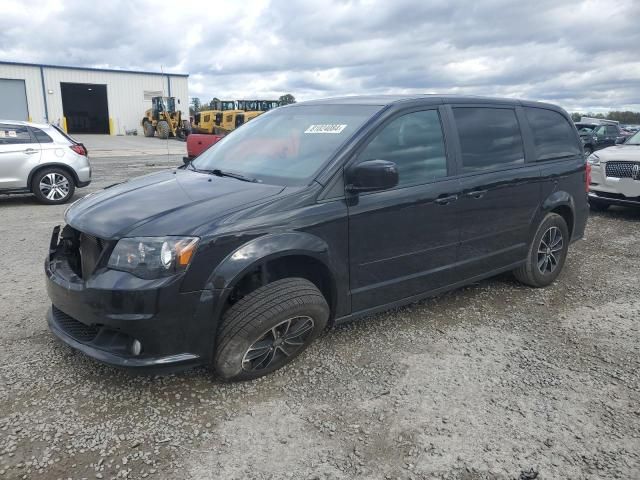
[633, 140]
[286, 146]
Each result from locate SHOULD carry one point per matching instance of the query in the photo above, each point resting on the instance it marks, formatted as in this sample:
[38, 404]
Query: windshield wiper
[222, 173]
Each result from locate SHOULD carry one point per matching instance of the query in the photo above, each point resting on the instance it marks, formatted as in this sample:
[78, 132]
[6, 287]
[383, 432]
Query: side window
[553, 136]
[14, 134]
[490, 138]
[414, 142]
[41, 136]
[611, 130]
[207, 118]
[601, 130]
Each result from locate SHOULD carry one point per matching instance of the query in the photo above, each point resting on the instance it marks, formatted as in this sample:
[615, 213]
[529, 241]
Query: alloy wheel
[54, 186]
[549, 250]
[284, 340]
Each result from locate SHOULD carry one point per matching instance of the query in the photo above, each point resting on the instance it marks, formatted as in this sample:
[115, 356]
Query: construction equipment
[230, 114]
[165, 119]
[253, 108]
[225, 117]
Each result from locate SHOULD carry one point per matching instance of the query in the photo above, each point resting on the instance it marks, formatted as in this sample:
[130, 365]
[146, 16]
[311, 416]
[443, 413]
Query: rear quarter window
[41, 136]
[490, 138]
[553, 136]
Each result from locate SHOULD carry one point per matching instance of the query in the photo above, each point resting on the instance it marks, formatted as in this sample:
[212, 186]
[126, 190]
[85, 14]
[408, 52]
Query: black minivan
[311, 215]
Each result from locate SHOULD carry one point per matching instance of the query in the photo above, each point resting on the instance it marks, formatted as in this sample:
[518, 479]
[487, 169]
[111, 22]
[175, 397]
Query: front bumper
[613, 190]
[611, 199]
[105, 314]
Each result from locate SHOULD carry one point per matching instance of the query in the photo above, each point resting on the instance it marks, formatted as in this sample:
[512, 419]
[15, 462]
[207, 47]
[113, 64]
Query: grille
[90, 251]
[620, 169]
[74, 328]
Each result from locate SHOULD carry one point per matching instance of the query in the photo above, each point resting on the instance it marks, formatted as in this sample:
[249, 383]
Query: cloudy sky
[583, 55]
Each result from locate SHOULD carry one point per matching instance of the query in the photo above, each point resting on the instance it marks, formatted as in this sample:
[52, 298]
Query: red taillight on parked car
[588, 176]
[79, 149]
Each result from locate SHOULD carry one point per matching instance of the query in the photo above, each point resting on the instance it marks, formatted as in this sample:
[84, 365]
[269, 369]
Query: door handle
[476, 193]
[30, 151]
[446, 200]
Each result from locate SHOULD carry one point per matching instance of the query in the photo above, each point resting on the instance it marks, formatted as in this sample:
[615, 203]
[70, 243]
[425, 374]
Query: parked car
[43, 160]
[311, 215]
[615, 175]
[600, 136]
[198, 143]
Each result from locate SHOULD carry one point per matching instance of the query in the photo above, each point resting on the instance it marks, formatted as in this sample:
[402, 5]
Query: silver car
[615, 175]
[43, 160]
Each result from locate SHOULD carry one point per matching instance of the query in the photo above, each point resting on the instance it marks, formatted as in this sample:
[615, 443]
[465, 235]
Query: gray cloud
[582, 55]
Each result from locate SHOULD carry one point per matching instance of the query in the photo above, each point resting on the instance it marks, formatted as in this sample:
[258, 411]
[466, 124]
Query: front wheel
[547, 253]
[162, 127]
[268, 328]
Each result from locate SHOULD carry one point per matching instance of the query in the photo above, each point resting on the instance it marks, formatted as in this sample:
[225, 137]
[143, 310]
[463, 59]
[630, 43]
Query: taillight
[588, 176]
[79, 149]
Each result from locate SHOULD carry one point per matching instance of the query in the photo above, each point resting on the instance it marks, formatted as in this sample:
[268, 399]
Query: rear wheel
[547, 253]
[163, 129]
[53, 186]
[268, 328]
[149, 131]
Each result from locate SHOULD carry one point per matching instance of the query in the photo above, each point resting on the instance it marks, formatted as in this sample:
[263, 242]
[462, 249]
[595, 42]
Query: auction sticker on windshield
[326, 128]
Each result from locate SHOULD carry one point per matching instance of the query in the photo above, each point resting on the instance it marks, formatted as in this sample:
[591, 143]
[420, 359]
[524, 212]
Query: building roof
[91, 69]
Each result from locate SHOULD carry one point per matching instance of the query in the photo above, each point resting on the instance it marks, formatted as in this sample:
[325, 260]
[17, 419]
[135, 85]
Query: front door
[403, 241]
[19, 154]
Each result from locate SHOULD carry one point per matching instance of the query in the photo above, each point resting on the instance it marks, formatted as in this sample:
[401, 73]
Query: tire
[163, 130]
[149, 130]
[62, 182]
[247, 347]
[588, 151]
[535, 272]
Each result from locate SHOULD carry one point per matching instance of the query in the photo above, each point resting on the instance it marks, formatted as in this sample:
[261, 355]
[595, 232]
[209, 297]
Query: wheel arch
[273, 257]
[563, 204]
[43, 166]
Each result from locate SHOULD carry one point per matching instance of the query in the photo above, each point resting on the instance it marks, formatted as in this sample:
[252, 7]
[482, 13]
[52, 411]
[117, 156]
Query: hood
[620, 152]
[172, 202]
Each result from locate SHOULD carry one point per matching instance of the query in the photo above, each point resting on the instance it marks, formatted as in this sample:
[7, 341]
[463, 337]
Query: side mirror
[372, 175]
[186, 160]
[620, 140]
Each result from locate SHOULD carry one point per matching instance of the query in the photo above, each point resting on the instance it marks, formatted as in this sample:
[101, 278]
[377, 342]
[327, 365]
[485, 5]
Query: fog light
[136, 347]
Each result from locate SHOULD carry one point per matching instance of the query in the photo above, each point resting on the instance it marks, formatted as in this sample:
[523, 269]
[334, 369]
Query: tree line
[197, 105]
[627, 117]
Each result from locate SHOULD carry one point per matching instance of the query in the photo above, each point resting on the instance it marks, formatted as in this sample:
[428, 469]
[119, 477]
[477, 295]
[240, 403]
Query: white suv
[615, 175]
[41, 159]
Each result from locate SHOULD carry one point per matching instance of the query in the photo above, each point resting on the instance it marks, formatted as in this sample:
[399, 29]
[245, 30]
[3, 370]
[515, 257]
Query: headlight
[593, 159]
[153, 257]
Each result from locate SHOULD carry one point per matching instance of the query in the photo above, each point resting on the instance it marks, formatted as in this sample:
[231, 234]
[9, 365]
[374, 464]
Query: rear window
[489, 138]
[41, 136]
[14, 134]
[553, 136]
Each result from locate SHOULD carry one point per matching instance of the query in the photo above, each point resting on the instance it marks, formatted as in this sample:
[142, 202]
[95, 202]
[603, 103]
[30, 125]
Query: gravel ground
[494, 381]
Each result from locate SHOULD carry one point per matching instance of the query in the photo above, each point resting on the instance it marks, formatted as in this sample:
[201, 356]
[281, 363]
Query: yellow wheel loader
[164, 119]
[225, 118]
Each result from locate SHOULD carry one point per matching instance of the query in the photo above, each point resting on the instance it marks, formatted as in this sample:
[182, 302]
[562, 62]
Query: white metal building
[85, 100]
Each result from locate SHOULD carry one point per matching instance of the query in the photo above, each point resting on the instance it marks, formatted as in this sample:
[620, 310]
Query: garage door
[13, 100]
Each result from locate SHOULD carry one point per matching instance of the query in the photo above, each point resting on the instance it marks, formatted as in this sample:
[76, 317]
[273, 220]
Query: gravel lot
[494, 381]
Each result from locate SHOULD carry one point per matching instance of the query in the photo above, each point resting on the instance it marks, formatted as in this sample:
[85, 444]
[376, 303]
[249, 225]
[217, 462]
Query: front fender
[265, 248]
